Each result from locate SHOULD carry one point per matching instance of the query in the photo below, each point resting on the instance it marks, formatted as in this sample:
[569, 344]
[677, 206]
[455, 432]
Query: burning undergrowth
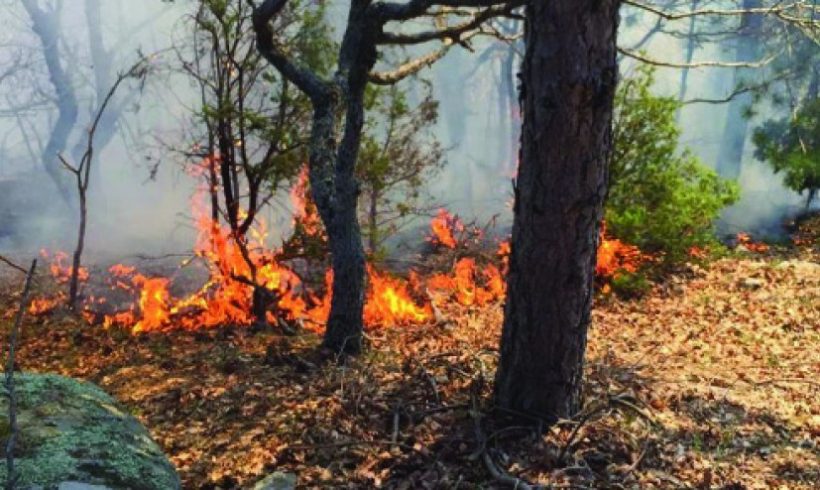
[227, 274]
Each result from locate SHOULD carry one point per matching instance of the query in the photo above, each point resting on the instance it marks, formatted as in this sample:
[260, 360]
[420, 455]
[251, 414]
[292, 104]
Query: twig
[11, 477]
[482, 451]
[618, 400]
[12, 264]
[581, 422]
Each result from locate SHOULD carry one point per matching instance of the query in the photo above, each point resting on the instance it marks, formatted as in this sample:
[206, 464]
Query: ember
[744, 240]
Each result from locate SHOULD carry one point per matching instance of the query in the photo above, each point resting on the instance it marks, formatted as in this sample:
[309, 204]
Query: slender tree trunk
[568, 86]
[691, 44]
[736, 128]
[357, 58]
[74, 282]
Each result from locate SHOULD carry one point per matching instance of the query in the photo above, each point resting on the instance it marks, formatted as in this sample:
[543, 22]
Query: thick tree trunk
[736, 130]
[568, 85]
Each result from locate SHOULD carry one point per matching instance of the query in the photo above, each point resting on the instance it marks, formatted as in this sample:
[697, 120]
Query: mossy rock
[73, 432]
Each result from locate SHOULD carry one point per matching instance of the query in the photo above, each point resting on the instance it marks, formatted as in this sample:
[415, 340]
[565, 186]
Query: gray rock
[73, 436]
[277, 481]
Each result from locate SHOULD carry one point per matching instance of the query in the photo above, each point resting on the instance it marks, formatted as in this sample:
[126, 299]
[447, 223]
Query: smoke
[140, 197]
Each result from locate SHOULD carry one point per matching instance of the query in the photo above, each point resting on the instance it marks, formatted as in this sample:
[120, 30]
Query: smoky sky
[140, 201]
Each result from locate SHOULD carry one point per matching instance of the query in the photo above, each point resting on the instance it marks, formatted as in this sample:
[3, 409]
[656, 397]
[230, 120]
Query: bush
[660, 199]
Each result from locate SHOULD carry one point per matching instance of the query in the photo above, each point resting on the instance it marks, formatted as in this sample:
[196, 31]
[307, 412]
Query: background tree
[68, 95]
[568, 86]
[250, 130]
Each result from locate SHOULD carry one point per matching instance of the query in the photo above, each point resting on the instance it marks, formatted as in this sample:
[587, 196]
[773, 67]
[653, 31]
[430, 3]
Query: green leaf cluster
[661, 199]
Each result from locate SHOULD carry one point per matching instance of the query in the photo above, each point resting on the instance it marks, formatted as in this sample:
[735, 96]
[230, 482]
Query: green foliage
[660, 199]
[630, 285]
[792, 147]
[244, 101]
[399, 154]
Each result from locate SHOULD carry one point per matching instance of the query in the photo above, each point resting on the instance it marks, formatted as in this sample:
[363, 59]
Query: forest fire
[238, 270]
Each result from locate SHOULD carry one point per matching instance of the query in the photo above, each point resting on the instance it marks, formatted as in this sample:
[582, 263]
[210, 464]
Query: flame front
[237, 269]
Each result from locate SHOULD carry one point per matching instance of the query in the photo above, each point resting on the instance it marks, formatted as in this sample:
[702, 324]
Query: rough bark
[568, 85]
[357, 57]
[736, 130]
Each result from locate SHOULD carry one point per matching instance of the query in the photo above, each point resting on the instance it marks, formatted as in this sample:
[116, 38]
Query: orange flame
[304, 210]
[615, 257]
[746, 241]
[463, 286]
[59, 270]
[388, 302]
[444, 227]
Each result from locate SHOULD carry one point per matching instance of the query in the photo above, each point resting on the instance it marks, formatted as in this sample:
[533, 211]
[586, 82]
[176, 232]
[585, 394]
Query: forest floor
[709, 381]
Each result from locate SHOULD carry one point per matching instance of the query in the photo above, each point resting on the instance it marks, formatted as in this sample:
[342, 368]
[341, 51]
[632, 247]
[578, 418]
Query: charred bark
[568, 85]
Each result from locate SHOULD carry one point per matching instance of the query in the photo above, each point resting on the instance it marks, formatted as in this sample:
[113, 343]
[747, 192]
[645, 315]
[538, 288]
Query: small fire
[746, 241]
[304, 209]
[41, 306]
[616, 257]
[463, 284]
[58, 268]
[239, 270]
[444, 227]
[698, 252]
[388, 302]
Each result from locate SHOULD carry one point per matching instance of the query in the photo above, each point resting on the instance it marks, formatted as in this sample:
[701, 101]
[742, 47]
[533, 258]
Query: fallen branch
[12, 264]
[11, 477]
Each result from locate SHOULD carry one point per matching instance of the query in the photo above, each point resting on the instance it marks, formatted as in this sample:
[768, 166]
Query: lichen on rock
[72, 431]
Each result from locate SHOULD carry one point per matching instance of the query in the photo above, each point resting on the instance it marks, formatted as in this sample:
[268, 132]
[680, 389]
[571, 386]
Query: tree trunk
[45, 25]
[357, 58]
[373, 222]
[568, 86]
[691, 44]
[736, 129]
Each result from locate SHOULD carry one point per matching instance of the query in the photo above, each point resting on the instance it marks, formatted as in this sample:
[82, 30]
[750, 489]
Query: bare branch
[778, 8]
[411, 67]
[452, 32]
[391, 11]
[12, 264]
[699, 64]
